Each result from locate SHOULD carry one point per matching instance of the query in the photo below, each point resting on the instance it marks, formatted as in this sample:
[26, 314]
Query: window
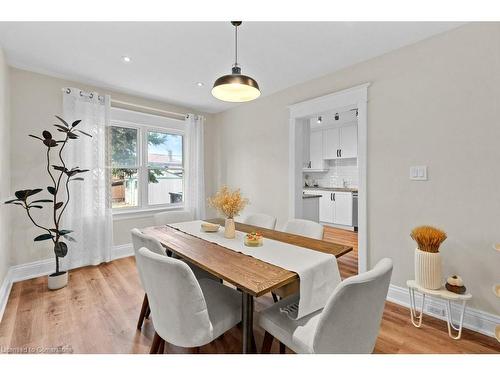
[147, 165]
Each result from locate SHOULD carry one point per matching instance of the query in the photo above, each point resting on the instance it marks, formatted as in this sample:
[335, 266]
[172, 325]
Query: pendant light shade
[236, 87]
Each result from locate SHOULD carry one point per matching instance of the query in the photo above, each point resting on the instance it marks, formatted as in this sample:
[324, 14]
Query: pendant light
[236, 87]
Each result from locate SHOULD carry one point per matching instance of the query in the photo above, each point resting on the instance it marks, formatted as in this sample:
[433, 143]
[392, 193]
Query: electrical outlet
[435, 310]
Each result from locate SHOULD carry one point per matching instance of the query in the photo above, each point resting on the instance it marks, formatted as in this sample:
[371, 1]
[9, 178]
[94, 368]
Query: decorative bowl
[209, 227]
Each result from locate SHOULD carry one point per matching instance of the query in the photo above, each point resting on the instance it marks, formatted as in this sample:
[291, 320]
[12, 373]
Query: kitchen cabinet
[326, 208]
[316, 150]
[343, 208]
[340, 143]
[335, 207]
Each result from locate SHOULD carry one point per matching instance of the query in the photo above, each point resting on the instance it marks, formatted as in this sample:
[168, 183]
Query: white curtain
[195, 166]
[89, 211]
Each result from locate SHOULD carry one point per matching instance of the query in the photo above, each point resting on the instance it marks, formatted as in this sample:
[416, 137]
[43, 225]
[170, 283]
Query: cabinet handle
[337, 153]
[340, 152]
[333, 196]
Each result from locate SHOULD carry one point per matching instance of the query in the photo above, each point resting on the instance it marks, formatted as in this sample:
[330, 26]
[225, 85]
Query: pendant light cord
[235, 45]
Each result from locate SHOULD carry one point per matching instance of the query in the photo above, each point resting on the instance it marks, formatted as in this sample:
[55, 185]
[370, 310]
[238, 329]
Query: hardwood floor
[98, 311]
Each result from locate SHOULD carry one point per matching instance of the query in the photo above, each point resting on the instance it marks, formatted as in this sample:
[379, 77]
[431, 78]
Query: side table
[454, 331]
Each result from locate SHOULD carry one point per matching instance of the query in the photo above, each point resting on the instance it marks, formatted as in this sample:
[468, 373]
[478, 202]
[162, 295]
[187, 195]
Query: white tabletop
[443, 292]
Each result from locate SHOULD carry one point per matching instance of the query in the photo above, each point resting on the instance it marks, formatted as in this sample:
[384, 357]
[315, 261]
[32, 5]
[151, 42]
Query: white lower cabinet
[343, 208]
[335, 207]
[326, 207]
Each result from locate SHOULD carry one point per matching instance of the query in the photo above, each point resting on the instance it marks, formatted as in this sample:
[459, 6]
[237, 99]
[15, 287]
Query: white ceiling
[169, 58]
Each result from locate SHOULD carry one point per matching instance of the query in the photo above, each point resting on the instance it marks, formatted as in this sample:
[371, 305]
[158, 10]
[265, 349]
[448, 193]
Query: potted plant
[230, 204]
[60, 176]
[428, 268]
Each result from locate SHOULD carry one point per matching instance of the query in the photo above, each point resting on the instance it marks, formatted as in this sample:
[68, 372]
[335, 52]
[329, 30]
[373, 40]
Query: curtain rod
[127, 105]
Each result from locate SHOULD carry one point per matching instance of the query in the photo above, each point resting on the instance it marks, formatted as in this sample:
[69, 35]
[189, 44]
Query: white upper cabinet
[340, 143]
[348, 141]
[316, 150]
[331, 143]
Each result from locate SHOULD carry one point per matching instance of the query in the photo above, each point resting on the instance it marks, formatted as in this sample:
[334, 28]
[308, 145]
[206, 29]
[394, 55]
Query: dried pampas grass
[229, 203]
[428, 238]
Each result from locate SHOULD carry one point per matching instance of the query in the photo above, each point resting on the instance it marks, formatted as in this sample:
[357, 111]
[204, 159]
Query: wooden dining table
[253, 277]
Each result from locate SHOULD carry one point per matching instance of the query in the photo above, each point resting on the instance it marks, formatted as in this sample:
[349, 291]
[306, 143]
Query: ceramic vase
[229, 229]
[428, 269]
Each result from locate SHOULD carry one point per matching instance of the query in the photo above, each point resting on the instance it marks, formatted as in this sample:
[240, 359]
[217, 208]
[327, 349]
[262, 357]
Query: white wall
[5, 223]
[36, 98]
[434, 103]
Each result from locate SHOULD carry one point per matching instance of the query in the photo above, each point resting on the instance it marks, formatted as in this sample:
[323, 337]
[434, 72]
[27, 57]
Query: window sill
[143, 212]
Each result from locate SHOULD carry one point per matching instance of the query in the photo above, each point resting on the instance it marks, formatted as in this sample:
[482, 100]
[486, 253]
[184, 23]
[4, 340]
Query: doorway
[354, 98]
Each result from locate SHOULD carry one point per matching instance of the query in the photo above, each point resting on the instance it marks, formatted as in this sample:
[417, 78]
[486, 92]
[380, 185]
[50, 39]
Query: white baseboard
[475, 320]
[44, 267]
[122, 251]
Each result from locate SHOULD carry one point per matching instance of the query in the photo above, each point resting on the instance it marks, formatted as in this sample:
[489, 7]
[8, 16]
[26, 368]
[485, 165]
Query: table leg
[416, 318]
[247, 321]
[449, 320]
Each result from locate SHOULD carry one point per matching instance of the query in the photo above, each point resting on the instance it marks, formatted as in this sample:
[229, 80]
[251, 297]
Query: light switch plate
[418, 173]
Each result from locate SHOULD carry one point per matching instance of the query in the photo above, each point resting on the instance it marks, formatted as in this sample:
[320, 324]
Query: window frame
[142, 167]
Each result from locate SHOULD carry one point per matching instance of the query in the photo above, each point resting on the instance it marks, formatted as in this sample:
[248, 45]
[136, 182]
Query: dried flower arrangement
[227, 202]
[428, 238]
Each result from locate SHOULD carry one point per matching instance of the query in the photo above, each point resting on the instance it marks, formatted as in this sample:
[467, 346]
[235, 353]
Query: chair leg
[275, 297]
[267, 343]
[282, 348]
[144, 308]
[148, 312]
[155, 344]
[161, 348]
[195, 350]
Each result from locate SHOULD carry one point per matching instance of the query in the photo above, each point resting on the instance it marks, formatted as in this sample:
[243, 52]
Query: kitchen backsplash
[338, 170]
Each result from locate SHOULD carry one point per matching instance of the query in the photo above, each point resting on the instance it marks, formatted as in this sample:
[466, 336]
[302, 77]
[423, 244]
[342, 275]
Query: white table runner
[318, 272]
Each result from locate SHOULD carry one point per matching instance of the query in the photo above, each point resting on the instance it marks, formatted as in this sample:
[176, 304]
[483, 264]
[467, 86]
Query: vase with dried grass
[229, 203]
[428, 264]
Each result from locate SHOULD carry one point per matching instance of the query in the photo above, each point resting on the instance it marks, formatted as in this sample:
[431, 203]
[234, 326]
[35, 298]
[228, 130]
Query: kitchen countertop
[308, 196]
[351, 190]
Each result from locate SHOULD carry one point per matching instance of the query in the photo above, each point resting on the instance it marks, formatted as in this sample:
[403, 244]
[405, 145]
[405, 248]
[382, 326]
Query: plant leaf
[58, 205]
[46, 134]
[61, 128]
[64, 122]
[34, 136]
[33, 192]
[51, 190]
[75, 123]
[61, 249]
[21, 194]
[59, 168]
[81, 131]
[72, 135]
[65, 231]
[35, 206]
[15, 200]
[49, 142]
[43, 237]
[69, 238]
[77, 179]
[43, 201]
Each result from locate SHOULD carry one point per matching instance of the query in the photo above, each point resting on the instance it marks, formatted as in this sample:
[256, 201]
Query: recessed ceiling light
[126, 59]
[199, 84]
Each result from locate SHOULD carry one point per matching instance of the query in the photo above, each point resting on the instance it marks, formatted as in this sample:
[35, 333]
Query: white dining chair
[306, 228]
[170, 217]
[349, 323]
[186, 312]
[140, 240]
[261, 220]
